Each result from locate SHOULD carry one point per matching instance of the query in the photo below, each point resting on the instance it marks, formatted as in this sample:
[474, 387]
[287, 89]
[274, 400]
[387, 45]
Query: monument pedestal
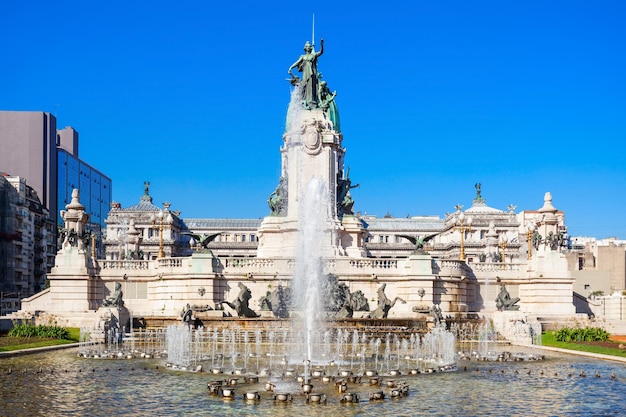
[515, 327]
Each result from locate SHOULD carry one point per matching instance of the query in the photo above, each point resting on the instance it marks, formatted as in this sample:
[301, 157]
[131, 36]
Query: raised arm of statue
[321, 51]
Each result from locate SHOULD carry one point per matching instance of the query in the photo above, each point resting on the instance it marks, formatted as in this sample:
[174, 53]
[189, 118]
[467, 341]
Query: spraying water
[308, 278]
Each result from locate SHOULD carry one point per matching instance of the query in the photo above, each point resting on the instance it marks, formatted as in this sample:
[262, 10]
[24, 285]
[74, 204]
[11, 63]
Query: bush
[587, 334]
[49, 332]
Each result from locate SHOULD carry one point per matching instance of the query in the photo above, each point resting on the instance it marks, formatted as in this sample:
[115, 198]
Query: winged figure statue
[202, 241]
[419, 242]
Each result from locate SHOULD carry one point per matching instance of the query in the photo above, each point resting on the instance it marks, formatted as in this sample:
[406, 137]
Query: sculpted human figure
[327, 97]
[536, 240]
[345, 202]
[115, 299]
[346, 310]
[277, 201]
[279, 302]
[437, 315]
[504, 302]
[307, 65]
[187, 314]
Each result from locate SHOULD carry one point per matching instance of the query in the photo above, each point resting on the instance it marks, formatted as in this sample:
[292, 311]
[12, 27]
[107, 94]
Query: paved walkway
[37, 350]
[581, 353]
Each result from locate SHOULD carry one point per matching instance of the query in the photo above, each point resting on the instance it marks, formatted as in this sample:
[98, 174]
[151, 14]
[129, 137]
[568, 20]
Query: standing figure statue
[240, 304]
[307, 65]
[345, 202]
[384, 304]
[536, 240]
[277, 201]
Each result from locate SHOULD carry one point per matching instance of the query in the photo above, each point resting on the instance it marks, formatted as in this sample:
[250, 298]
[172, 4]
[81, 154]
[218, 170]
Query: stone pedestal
[112, 318]
[515, 327]
[351, 237]
[71, 286]
[549, 289]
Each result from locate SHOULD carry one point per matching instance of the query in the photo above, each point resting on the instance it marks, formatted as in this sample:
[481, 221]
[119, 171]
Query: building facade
[96, 187]
[27, 242]
[43, 164]
[28, 150]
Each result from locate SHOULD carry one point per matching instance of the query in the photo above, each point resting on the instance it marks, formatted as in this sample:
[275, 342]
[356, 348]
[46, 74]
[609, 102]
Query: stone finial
[75, 203]
[132, 231]
[548, 210]
[547, 204]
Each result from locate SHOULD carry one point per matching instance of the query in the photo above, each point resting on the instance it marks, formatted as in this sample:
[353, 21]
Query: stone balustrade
[450, 265]
[170, 263]
[124, 264]
[374, 263]
[495, 266]
[249, 263]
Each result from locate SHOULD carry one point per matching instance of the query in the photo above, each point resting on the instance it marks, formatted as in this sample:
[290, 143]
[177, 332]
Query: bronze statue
[276, 301]
[202, 241]
[384, 304]
[418, 242]
[352, 301]
[307, 65]
[240, 304]
[345, 202]
[328, 104]
[277, 201]
[504, 302]
[346, 311]
[327, 97]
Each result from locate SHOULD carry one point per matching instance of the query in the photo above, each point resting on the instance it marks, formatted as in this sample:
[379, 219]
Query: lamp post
[93, 245]
[530, 231]
[463, 225]
[503, 247]
[162, 219]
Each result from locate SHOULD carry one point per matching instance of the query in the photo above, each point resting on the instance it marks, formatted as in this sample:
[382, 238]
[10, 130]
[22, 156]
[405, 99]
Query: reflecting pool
[61, 383]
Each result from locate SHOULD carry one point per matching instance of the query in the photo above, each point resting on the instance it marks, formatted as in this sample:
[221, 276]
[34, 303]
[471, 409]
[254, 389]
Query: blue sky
[522, 96]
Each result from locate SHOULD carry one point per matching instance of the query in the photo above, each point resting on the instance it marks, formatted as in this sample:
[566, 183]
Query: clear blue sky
[522, 96]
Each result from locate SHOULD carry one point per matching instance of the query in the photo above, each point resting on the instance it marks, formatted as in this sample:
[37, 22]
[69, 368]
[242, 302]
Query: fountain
[316, 357]
[308, 316]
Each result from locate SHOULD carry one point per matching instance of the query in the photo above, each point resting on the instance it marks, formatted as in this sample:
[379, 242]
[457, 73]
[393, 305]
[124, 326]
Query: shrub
[50, 332]
[587, 334]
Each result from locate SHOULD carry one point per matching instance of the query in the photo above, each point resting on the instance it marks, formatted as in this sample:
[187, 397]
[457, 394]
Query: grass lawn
[609, 347]
[15, 343]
